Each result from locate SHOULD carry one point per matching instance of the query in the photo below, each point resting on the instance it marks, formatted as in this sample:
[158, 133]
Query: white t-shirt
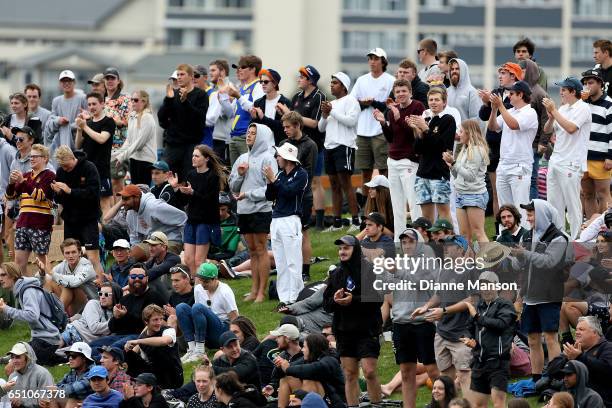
[515, 145]
[573, 147]
[271, 107]
[369, 87]
[222, 302]
[341, 126]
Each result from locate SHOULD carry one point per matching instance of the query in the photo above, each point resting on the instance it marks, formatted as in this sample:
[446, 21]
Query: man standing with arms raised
[372, 90]
[183, 116]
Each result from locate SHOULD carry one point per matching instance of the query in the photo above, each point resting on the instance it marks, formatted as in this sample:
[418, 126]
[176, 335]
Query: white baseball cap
[19, 349]
[288, 152]
[174, 75]
[379, 52]
[344, 79]
[287, 330]
[121, 243]
[378, 181]
[67, 74]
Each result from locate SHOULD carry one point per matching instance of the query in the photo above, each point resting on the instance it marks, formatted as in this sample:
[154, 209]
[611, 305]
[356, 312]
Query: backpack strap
[28, 286]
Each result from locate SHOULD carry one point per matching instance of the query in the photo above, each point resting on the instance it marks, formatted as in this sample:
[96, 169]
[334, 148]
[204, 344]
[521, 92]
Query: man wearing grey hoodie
[461, 94]
[27, 376]
[575, 380]
[248, 183]
[33, 310]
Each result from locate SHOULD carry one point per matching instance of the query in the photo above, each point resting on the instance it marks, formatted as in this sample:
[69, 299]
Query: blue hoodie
[110, 400]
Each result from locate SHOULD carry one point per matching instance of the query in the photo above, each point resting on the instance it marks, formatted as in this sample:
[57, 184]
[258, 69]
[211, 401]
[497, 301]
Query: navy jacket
[288, 192]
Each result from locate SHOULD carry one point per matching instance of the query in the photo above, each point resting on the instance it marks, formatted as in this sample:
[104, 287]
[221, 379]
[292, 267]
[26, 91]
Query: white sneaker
[187, 356]
[353, 228]
[194, 358]
[332, 229]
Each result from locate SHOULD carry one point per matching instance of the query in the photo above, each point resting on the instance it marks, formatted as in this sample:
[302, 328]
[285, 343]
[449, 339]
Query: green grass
[266, 319]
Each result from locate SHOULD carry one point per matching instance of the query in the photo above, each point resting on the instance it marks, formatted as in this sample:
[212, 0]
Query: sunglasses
[265, 82]
[208, 302]
[139, 276]
[35, 156]
[176, 269]
[72, 355]
[196, 76]
[105, 294]
[19, 139]
[135, 100]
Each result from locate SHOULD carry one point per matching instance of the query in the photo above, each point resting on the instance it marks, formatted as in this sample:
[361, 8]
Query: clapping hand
[485, 95]
[379, 116]
[447, 156]
[186, 189]
[549, 104]
[173, 180]
[471, 343]
[269, 173]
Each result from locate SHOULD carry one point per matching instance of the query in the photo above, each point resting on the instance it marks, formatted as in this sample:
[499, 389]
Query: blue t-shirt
[110, 400]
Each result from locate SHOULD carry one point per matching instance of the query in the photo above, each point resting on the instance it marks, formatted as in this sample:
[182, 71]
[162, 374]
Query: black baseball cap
[529, 206]
[147, 379]
[227, 337]
[346, 240]
[25, 129]
[111, 71]
[569, 368]
[420, 222]
[376, 218]
[592, 73]
[116, 352]
[521, 86]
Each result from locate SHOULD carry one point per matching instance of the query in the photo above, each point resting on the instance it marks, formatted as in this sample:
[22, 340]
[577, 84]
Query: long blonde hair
[475, 142]
[144, 95]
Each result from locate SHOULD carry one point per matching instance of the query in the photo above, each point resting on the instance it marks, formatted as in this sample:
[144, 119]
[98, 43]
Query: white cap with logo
[288, 152]
[67, 74]
[379, 52]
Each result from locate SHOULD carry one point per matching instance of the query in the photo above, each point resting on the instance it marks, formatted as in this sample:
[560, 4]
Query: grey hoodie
[310, 312]
[532, 76]
[155, 215]
[30, 312]
[464, 97]
[584, 397]
[7, 154]
[254, 183]
[83, 276]
[406, 301]
[32, 378]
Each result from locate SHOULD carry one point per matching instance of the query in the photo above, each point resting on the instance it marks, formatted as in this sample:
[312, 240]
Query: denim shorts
[71, 335]
[432, 191]
[472, 200]
[202, 234]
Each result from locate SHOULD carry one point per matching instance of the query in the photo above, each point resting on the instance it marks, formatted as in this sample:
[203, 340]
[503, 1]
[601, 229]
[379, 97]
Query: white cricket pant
[286, 236]
[563, 193]
[402, 176]
[513, 183]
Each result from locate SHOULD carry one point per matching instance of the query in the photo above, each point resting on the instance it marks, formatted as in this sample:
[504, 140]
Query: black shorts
[255, 223]
[493, 374]
[86, 232]
[106, 190]
[340, 159]
[414, 342]
[307, 204]
[357, 347]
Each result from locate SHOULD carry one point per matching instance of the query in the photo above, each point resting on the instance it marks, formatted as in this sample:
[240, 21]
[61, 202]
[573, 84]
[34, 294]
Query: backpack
[58, 316]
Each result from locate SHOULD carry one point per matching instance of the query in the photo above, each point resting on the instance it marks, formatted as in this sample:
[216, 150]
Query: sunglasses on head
[105, 294]
[138, 276]
[176, 269]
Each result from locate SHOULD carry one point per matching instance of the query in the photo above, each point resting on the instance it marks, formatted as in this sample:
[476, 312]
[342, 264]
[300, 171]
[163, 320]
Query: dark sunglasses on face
[105, 294]
[135, 100]
[19, 139]
[139, 276]
[72, 355]
[196, 76]
[265, 82]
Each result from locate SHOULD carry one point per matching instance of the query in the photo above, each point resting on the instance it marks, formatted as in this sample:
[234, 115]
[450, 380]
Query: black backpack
[58, 316]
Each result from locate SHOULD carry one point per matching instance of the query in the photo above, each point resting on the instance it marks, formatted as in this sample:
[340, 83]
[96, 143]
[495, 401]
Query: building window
[582, 48]
[241, 4]
[176, 3]
[542, 40]
[244, 36]
[374, 6]
[354, 42]
[531, 3]
[174, 37]
[434, 4]
[599, 9]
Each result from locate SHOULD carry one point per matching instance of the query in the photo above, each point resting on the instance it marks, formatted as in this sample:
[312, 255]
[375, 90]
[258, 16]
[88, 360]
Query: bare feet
[260, 299]
[249, 298]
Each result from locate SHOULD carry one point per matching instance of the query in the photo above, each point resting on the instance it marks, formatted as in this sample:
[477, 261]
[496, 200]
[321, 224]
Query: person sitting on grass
[73, 279]
[113, 359]
[75, 384]
[320, 372]
[144, 393]
[104, 396]
[288, 341]
[93, 322]
[160, 263]
[33, 310]
[204, 378]
[182, 292]
[442, 393]
[232, 393]
[214, 307]
[26, 375]
[236, 359]
[155, 350]
[120, 269]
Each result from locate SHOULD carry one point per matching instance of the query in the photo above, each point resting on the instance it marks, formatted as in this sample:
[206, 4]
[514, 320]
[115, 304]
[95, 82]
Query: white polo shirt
[572, 148]
[366, 87]
[515, 145]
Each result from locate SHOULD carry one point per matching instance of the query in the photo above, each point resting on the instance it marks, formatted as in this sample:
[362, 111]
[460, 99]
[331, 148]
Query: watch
[443, 311]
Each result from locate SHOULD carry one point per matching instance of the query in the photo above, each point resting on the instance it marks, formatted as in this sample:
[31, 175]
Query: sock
[536, 377]
[356, 220]
[306, 269]
[191, 345]
[320, 217]
[199, 348]
[337, 222]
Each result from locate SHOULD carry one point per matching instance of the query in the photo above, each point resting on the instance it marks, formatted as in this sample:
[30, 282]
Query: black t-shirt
[310, 107]
[177, 298]
[100, 154]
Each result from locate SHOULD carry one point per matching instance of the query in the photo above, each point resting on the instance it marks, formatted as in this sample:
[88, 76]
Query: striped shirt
[600, 139]
[35, 203]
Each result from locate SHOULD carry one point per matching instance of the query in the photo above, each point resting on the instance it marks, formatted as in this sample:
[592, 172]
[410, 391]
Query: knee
[351, 375]
[183, 308]
[534, 339]
[369, 373]
[197, 309]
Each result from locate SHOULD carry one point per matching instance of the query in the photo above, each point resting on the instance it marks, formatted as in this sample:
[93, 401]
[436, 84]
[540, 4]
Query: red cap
[130, 191]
